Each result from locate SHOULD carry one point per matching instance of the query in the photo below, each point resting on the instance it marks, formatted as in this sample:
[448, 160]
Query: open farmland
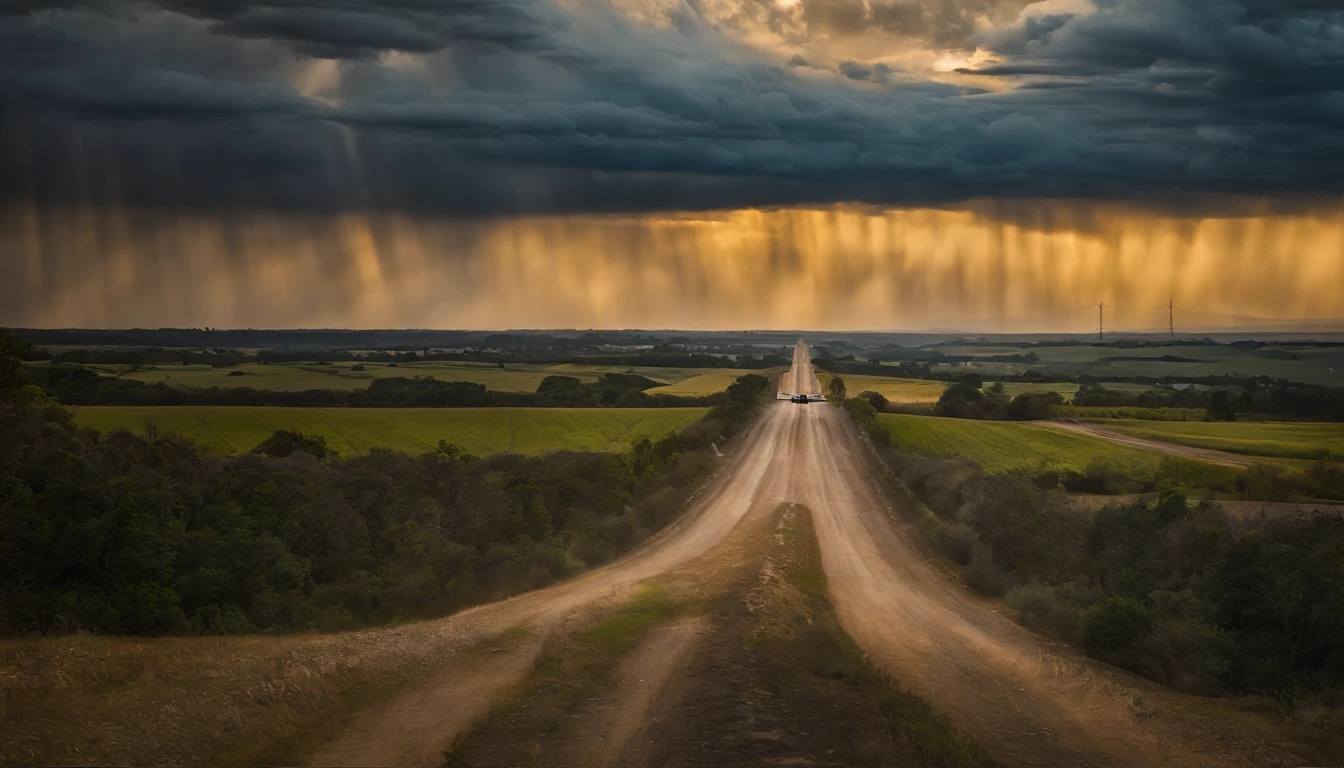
[481, 431]
[895, 390]
[701, 382]
[1307, 363]
[513, 377]
[1000, 446]
[1089, 413]
[1287, 440]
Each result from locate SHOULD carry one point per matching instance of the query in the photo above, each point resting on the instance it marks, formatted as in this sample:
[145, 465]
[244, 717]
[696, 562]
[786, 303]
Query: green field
[1310, 365]
[1285, 440]
[1000, 446]
[895, 390]
[1090, 413]
[513, 377]
[704, 382]
[481, 431]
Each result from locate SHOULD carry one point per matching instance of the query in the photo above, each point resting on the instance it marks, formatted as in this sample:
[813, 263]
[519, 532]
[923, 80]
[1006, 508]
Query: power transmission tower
[1101, 323]
[1171, 320]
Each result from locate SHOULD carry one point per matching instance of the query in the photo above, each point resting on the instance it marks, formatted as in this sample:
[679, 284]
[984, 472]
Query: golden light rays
[824, 268]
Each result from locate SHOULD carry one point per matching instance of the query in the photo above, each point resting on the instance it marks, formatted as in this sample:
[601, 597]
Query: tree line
[659, 356]
[143, 534]
[1223, 396]
[76, 385]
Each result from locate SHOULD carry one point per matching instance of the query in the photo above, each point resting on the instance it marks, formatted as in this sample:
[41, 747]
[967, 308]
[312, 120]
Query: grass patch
[481, 431]
[617, 633]
[1001, 447]
[571, 671]
[1287, 440]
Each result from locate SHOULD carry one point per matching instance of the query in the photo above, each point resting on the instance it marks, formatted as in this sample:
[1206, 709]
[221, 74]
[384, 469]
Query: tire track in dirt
[1170, 449]
[757, 464]
[1029, 702]
[1026, 700]
[609, 728]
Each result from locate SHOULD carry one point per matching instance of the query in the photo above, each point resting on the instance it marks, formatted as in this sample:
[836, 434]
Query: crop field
[1307, 364]
[706, 382]
[1089, 413]
[1284, 440]
[514, 377]
[895, 390]
[481, 431]
[1001, 447]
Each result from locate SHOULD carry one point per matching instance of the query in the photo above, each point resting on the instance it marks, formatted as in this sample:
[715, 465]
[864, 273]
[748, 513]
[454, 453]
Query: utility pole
[1171, 320]
[1101, 323]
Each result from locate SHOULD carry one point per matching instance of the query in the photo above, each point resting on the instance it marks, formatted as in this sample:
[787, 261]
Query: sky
[669, 163]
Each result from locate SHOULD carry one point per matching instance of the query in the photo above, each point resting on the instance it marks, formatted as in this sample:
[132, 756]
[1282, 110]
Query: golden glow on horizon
[824, 268]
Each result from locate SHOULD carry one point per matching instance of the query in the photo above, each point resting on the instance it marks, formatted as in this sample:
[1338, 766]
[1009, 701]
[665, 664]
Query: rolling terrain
[226, 429]
[951, 658]
[511, 377]
[1004, 446]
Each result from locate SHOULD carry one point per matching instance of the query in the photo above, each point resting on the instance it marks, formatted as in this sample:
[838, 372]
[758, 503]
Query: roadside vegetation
[78, 385]
[223, 430]
[1004, 447]
[1180, 592]
[1296, 463]
[770, 674]
[143, 534]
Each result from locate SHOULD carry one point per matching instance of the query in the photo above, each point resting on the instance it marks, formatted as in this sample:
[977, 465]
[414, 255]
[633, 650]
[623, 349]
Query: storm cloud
[464, 107]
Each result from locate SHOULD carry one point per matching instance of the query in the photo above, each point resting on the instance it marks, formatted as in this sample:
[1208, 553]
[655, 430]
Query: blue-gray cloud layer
[525, 105]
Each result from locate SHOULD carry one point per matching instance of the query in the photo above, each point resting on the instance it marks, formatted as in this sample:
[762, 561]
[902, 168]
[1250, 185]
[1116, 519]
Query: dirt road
[1170, 449]
[801, 378]
[757, 468]
[1027, 701]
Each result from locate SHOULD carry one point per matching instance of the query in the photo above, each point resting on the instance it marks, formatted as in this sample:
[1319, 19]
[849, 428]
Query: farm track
[1171, 449]
[1027, 701]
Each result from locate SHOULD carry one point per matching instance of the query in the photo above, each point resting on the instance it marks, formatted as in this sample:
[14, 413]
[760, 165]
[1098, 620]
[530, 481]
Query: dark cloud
[877, 73]
[512, 105]
[359, 28]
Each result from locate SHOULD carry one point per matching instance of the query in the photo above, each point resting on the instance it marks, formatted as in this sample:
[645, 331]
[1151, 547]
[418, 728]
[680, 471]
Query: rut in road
[1027, 701]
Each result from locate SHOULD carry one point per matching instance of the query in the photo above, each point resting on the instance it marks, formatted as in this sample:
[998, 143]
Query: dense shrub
[1115, 626]
[1032, 406]
[1180, 592]
[865, 415]
[967, 401]
[141, 534]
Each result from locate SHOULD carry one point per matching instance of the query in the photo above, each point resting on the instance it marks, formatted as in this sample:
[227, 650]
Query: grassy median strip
[822, 646]
[572, 671]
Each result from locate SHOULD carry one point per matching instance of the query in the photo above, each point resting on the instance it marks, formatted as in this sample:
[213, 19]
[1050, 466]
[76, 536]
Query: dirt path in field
[1170, 449]
[609, 730]
[444, 706]
[419, 724]
[1027, 701]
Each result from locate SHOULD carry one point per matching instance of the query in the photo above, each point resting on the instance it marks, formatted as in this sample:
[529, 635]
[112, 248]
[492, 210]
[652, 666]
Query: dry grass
[82, 699]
